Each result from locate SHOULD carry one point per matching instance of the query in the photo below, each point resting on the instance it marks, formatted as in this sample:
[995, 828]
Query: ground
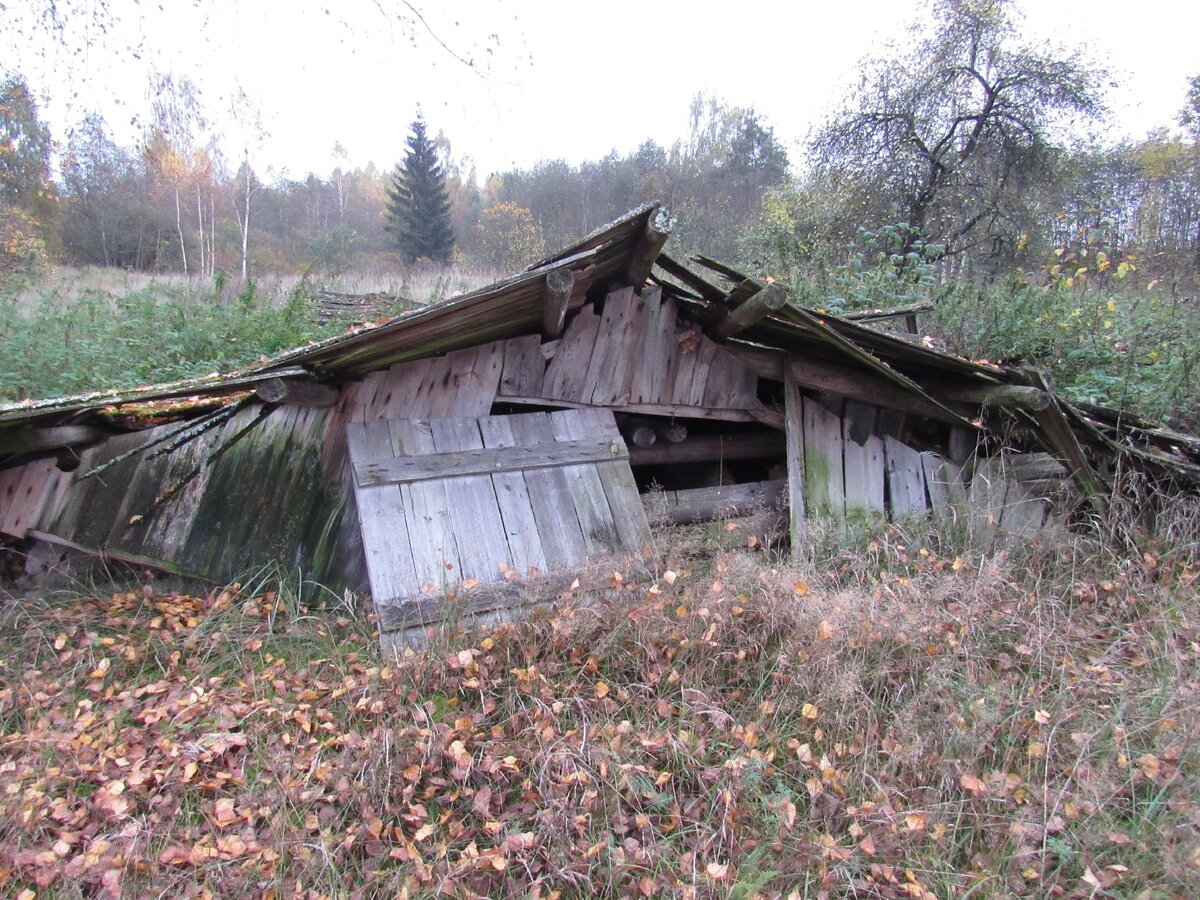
[894, 717]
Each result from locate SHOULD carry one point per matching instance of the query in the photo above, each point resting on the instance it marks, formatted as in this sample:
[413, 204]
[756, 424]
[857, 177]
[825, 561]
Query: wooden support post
[649, 245]
[559, 286]
[793, 405]
[768, 300]
[294, 390]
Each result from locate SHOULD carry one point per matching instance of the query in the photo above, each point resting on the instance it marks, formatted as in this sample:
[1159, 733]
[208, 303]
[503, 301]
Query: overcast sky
[549, 80]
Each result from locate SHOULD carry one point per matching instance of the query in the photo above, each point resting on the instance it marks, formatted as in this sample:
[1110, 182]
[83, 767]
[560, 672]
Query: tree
[951, 131]
[24, 146]
[418, 205]
[509, 237]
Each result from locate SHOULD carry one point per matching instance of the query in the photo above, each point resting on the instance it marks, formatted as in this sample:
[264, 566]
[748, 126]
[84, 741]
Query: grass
[899, 718]
[89, 329]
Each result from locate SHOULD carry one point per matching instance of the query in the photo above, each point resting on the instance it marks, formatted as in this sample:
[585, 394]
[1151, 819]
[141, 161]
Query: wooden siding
[265, 487]
[637, 356]
[432, 527]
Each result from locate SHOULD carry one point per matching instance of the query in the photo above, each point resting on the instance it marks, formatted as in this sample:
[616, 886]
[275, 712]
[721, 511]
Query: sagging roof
[842, 355]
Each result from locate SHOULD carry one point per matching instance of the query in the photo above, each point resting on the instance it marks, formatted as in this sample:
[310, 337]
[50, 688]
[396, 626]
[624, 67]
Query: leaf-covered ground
[890, 723]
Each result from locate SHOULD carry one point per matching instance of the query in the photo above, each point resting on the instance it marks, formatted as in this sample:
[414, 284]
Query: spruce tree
[418, 206]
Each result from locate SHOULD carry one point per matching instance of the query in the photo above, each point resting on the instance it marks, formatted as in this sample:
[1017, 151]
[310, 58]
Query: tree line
[958, 149]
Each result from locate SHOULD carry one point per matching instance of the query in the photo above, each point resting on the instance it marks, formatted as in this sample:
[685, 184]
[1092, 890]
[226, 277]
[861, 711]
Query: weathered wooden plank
[1024, 513]
[469, 387]
[824, 464]
[682, 367]
[986, 497]
[657, 333]
[560, 283]
[524, 367]
[706, 352]
[12, 499]
[619, 485]
[864, 466]
[757, 414]
[730, 383]
[184, 482]
[364, 397]
[395, 397]
[611, 369]
[558, 526]
[587, 493]
[794, 428]
[382, 521]
[711, 448]
[566, 376]
[512, 496]
[905, 478]
[485, 461]
[474, 512]
[430, 529]
[476, 391]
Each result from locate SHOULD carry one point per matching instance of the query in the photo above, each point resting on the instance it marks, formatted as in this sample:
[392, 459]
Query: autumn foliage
[891, 723]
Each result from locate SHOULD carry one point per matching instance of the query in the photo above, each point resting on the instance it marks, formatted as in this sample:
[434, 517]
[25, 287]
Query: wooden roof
[946, 386]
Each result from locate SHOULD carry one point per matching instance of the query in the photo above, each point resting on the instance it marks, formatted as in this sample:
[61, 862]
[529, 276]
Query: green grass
[94, 329]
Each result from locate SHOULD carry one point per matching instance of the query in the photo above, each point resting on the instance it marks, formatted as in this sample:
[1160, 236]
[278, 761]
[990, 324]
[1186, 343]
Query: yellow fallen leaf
[601, 689]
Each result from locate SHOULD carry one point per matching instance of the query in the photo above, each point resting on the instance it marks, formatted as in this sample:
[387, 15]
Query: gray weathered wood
[34, 490]
[770, 298]
[905, 478]
[610, 368]
[296, 390]
[486, 461]
[986, 498]
[382, 520]
[512, 495]
[566, 377]
[864, 462]
[587, 493]
[619, 485]
[794, 422]
[396, 397]
[711, 448]
[653, 354]
[961, 444]
[474, 511]
[649, 246]
[430, 529]
[824, 465]
[524, 367]
[560, 534]
[694, 505]
[559, 285]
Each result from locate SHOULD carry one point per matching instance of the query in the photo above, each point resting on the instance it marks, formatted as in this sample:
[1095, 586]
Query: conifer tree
[418, 205]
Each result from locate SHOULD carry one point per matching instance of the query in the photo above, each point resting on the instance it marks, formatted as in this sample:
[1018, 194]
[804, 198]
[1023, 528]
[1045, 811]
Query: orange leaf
[972, 783]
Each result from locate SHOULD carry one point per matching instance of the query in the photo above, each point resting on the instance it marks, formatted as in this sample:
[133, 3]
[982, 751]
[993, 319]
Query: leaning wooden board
[468, 502]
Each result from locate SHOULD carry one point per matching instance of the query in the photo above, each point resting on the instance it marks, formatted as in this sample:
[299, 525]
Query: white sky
[560, 79]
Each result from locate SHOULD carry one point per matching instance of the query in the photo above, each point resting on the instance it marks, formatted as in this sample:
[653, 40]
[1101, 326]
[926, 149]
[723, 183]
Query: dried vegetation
[902, 719]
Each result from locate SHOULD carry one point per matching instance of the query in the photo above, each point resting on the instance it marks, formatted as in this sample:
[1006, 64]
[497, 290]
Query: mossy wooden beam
[1005, 396]
[759, 304]
[296, 390]
[560, 284]
[653, 238]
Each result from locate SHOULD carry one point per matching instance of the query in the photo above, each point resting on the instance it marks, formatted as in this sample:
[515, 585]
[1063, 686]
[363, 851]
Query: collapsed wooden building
[525, 428]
